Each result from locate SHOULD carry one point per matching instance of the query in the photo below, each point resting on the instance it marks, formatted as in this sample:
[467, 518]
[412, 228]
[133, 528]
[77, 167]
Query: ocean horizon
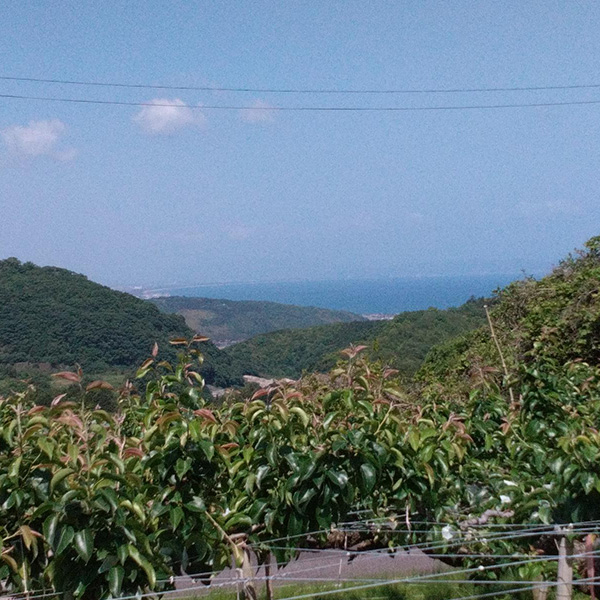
[385, 296]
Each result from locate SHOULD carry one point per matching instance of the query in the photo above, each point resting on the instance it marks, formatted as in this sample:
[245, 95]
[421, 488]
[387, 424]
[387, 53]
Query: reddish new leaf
[206, 414]
[68, 375]
[99, 384]
[200, 338]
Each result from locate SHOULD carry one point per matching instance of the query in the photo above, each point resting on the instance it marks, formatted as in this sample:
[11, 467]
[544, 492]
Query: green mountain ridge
[554, 320]
[402, 342]
[52, 317]
[229, 321]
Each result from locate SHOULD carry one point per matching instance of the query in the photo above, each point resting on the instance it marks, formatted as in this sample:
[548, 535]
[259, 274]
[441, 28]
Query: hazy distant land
[361, 296]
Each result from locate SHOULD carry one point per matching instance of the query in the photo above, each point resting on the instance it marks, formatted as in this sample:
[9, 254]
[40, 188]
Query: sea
[362, 296]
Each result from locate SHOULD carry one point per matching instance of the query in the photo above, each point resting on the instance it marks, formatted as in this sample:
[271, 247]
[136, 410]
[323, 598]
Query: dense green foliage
[97, 505]
[229, 321]
[401, 343]
[533, 418]
[52, 317]
[556, 318]
[56, 316]
[290, 352]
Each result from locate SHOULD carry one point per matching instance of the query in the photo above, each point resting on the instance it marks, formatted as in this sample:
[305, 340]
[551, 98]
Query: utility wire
[580, 528]
[382, 551]
[431, 545]
[534, 529]
[401, 518]
[209, 88]
[425, 578]
[302, 108]
[522, 589]
[430, 577]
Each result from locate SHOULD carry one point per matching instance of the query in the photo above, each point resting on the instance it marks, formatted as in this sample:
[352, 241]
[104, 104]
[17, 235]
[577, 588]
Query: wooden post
[499, 348]
[249, 589]
[25, 576]
[237, 572]
[341, 561]
[590, 563]
[540, 592]
[269, 581]
[564, 587]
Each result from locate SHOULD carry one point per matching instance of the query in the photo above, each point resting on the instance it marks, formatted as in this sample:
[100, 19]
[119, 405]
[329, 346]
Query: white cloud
[259, 112]
[164, 116]
[38, 138]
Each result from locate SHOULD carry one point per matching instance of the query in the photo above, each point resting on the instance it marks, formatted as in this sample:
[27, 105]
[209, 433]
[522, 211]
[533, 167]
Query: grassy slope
[51, 315]
[402, 342]
[555, 318]
[228, 321]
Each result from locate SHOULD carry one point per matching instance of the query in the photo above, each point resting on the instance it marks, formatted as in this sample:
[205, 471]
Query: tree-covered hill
[289, 352]
[229, 321]
[54, 316]
[505, 469]
[402, 342]
[552, 320]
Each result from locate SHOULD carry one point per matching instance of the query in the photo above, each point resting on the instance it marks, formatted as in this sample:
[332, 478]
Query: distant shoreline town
[145, 294]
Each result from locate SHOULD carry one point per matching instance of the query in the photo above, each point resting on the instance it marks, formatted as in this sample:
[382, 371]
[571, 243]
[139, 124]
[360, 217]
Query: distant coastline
[381, 297]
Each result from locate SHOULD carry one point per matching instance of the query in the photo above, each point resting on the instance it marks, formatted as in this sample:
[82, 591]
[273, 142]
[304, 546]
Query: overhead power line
[258, 90]
[303, 108]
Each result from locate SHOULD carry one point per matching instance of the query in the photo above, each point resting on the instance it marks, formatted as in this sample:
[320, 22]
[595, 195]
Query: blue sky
[160, 195]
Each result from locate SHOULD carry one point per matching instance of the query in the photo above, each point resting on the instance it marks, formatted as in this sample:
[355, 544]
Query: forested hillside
[57, 317]
[229, 321]
[553, 320]
[289, 352]
[401, 343]
[51, 317]
[495, 458]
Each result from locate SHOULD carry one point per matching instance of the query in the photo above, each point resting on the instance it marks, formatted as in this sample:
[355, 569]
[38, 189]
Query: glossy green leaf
[115, 580]
[84, 544]
[65, 537]
[59, 476]
[340, 478]
[196, 505]
[368, 476]
[144, 564]
[50, 529]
